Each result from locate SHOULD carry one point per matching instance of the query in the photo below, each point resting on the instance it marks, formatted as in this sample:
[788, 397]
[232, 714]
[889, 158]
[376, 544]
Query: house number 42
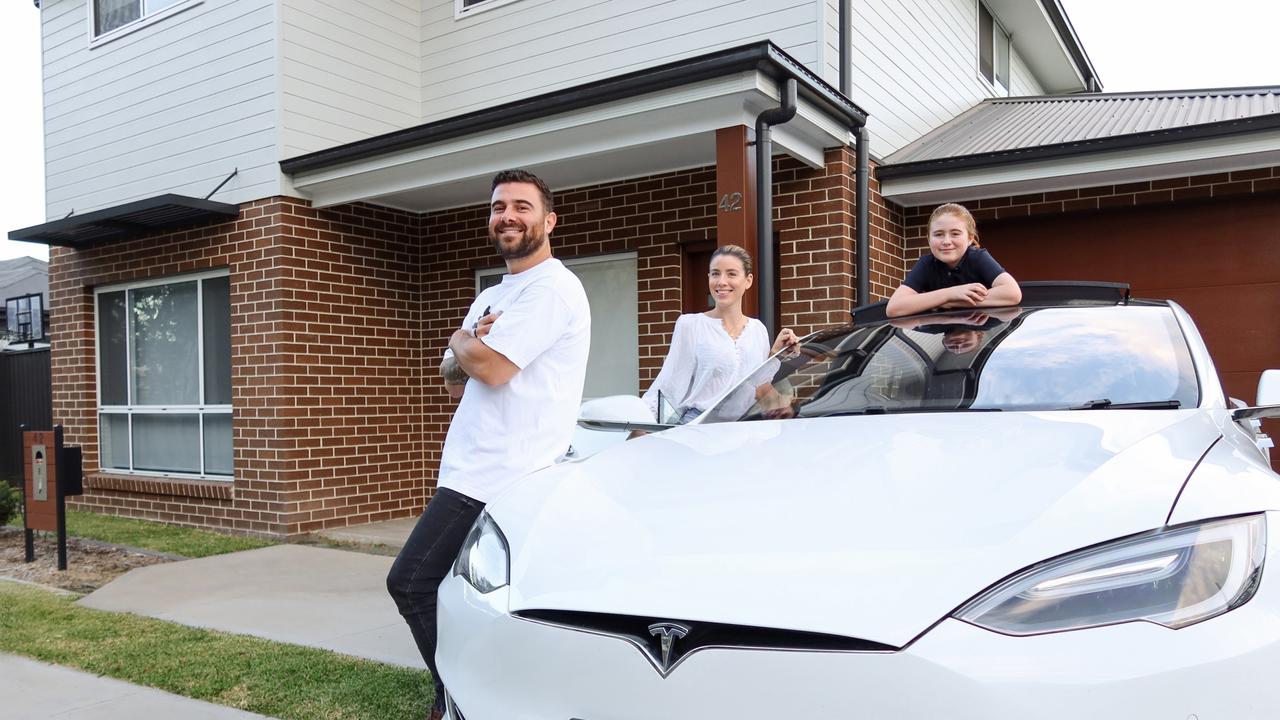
[731, 202]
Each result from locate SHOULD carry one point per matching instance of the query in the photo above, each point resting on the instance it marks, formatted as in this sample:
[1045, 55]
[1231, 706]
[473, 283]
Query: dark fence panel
[26, 398]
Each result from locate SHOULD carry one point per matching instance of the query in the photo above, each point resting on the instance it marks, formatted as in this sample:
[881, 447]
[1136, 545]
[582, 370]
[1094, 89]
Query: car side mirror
[1268, 399]
[618, 413]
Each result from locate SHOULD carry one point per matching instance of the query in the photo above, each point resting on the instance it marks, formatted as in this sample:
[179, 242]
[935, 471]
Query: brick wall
[1102, 197]
[814, 215]
[339, 317]
[326, 371]
[887, 242]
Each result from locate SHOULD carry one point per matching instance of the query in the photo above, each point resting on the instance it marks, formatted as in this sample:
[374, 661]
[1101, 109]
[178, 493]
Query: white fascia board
[688, 109]
[652, 118]
[621, 109]
[451, 162]
[1238, 152]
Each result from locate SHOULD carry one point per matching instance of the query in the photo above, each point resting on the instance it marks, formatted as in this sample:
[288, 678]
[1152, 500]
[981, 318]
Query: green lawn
[187, 542]
[275, 679]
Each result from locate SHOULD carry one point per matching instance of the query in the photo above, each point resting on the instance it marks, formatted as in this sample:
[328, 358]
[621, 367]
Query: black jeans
[424, 562]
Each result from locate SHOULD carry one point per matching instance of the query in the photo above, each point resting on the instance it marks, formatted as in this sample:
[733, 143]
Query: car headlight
[484, 560]
[1173, 577]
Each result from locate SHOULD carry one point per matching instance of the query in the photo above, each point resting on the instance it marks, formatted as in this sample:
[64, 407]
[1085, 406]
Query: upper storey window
[109, 15]
[467, 7]
[993, 50]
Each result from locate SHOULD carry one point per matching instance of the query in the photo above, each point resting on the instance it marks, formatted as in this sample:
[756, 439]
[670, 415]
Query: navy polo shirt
[975, 266]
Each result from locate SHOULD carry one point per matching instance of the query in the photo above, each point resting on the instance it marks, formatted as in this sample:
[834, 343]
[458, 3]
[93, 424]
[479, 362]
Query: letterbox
[71, 472]
[41, 460]
[52, 472]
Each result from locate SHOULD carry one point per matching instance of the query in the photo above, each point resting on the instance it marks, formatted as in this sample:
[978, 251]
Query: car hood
[871, 527]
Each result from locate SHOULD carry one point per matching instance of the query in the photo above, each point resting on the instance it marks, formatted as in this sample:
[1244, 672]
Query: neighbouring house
[24, 289]
[270, 213]
[25, 390]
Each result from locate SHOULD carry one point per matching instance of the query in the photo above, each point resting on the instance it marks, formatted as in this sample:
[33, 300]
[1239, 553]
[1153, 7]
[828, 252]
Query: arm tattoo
[453, 373]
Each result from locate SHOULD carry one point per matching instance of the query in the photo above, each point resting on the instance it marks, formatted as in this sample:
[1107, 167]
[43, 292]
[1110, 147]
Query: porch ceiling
[657, 132]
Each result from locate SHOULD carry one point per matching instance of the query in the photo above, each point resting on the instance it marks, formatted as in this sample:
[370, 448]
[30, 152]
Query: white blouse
[704, 361]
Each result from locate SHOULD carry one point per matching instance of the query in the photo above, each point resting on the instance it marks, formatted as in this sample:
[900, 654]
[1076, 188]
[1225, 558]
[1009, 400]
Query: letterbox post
[29, 536]
[47, 463]
[62, 503]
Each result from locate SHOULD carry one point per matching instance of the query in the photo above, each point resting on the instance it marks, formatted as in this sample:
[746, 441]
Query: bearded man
[517, 364]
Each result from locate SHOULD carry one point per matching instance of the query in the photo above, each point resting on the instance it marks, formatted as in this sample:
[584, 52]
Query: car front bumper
[500, 667]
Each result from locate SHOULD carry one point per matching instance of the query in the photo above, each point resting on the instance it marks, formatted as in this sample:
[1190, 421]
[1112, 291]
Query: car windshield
[1058, 358]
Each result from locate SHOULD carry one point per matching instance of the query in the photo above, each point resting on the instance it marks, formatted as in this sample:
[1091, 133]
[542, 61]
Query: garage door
[1219, 259]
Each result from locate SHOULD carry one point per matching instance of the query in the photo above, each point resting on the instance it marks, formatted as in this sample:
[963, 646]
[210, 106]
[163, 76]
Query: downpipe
[764, 201]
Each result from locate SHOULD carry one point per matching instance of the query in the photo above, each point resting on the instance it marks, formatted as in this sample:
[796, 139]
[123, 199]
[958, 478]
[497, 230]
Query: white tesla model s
[1049, 511]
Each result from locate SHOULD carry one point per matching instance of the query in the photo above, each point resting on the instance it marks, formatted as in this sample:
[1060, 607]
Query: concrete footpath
[331, 599]
[319, 597]
[34, 690]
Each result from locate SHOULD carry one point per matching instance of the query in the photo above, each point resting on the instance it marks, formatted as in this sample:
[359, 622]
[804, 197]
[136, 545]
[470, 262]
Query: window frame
[460, 11]
[499, 271]
[200, 410]
[998, 30]
[144, 20]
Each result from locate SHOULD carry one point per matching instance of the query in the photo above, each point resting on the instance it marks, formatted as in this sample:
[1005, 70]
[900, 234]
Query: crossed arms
[1004, 291]
[473, 359]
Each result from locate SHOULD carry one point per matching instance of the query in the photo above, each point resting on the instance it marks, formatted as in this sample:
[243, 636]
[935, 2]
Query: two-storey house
[268, 215]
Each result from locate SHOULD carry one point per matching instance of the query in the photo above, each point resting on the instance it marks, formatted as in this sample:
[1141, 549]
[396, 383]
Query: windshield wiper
[882, 410]
[1105, 404]
[869, 410]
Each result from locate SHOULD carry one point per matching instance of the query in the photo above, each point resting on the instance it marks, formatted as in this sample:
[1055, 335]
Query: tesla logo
[667, 634]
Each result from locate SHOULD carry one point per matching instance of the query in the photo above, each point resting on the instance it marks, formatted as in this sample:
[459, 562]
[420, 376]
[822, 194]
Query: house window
[110, 15]
[613, 367]
[468, 7]
[164, 376]
[993, 50]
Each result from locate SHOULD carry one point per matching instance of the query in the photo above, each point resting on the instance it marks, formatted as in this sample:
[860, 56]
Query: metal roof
[16, 270]
[1001, 130]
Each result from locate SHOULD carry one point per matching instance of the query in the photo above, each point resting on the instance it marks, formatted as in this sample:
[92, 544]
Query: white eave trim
[1210, 155]
[618, 129]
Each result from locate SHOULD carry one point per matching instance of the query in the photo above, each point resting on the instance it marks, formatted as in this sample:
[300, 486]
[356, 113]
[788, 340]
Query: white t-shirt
[500, 434]
[704, 361]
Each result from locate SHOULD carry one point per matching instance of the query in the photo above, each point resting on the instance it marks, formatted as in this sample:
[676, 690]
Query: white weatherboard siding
[1021, 80]
[350, 70]
[530, 47]
[915, 67]
[171, 107]
[829, 36]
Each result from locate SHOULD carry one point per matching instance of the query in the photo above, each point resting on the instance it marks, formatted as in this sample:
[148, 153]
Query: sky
[1133, 44]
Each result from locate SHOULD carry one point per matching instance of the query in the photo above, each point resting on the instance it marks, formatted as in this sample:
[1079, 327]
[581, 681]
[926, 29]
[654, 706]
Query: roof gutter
[764, 179]
[764, 57]
[1222, 129]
